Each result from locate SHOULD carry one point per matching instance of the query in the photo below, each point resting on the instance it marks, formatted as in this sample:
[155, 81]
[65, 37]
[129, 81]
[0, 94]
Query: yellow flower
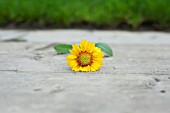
[87, 57]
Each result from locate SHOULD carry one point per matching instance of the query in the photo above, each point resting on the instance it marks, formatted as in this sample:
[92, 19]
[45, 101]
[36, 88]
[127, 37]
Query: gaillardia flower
[85, 57]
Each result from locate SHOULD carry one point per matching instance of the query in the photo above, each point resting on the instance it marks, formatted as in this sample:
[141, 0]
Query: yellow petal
[80, 68]
[88, 68]
[96, 66]
[73, 52]
[92, 68]
[98, 63]
[97, 53]
[97, 59]
[70, 57]
[86, 45]
[75, 68]
[85, 69]
[82, 45]
[72, 63]
[96, 49]
[76, 48]
[90, 47]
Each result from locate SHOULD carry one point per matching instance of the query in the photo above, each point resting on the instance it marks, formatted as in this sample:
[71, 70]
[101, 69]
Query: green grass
[62, 13]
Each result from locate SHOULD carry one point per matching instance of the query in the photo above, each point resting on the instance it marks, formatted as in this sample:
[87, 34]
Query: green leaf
[62, 48]
[105, 48]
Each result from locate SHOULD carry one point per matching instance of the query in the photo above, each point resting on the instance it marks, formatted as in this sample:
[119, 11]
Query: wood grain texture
[135, 80]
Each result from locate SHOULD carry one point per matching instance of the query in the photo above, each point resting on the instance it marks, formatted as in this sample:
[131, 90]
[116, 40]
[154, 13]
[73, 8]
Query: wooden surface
[34, 79]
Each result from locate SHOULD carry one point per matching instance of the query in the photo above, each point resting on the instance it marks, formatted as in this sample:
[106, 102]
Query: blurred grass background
[98, 13]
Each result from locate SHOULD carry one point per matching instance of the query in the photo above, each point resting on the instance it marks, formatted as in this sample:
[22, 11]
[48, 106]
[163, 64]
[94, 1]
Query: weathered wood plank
[135, 80]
